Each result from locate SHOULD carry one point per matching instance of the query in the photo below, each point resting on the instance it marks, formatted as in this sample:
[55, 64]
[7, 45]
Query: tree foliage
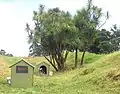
[56, 33]
[106, 41]
[87, 20]
[54, 30]
[4, 53]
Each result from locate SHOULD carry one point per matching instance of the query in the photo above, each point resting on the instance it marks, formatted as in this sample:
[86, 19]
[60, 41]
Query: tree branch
[102, 24]
[66, 54]
[51, 63]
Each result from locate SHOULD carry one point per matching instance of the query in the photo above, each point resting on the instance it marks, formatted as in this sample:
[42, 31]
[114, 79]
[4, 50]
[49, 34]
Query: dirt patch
[88, 71]
[114, 74]
[4, 68]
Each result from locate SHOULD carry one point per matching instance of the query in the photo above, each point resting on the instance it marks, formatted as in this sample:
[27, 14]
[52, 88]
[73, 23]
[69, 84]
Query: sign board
[21, 69]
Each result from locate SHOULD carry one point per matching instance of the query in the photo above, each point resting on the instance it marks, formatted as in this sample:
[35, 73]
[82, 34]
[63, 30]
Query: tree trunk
[66, 54]
[60, 66]
[82, 59]
[76, 57]
[61, 63]
[58, 61]
[51, 63]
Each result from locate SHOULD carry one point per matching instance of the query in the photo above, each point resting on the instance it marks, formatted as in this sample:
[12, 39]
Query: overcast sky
[14, 14]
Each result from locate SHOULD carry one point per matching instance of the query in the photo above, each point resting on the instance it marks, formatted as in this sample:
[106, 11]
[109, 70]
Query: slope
[4, 69]
[99, 76]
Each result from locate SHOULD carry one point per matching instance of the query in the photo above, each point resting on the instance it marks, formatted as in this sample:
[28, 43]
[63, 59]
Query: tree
[77, 42]
[3, 52]
[87, 21]
[106, 41]
[102, 43]
[115, 38]
[53, 31]
[77, 46]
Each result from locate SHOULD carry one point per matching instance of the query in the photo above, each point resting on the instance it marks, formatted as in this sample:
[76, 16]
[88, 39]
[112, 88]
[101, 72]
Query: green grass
[100, 75]
[89, 58]
[11, 60]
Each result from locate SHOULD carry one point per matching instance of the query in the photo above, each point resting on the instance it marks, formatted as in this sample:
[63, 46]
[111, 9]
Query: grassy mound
[101, 75]
[89, 58]
[4, 68]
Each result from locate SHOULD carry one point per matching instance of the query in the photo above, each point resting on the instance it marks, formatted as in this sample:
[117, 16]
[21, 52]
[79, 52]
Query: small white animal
[9, 80]
[51, 73]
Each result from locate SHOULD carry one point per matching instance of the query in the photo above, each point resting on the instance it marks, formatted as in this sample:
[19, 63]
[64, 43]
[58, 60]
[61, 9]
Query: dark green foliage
[87, 21]
[106, 41]
[3, 52]
[56, 32]
[52, 35]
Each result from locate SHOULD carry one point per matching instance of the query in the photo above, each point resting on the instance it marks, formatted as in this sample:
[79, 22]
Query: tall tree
[88, 21]
[53, 31]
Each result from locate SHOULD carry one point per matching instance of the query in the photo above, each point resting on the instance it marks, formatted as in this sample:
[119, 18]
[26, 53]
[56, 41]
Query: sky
[14, 14]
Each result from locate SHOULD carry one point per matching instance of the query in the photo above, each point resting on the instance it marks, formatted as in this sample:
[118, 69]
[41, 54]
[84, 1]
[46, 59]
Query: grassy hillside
[101, 75]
